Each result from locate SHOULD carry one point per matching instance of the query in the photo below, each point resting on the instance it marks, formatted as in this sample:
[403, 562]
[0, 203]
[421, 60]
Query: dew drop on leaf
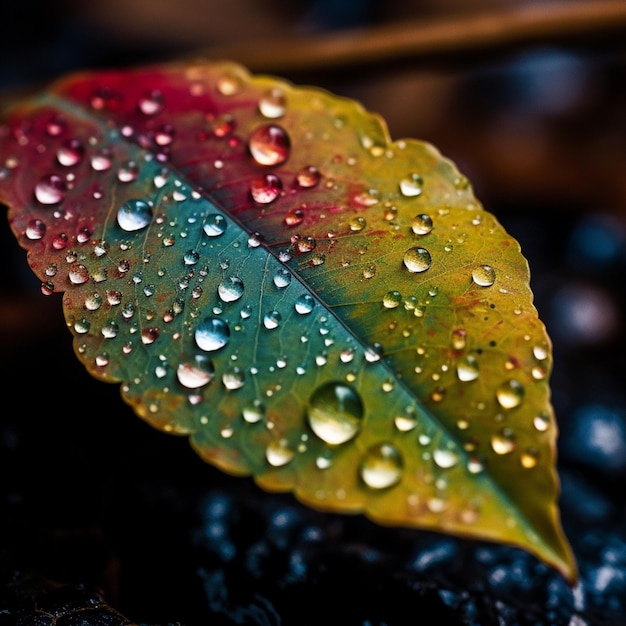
[422, 224]
[308, 176]
[253, 412]
[230, 289]
[271, 320]
[467, 369]
[212, 334]
[510, 394]
[417, 259]
[484, 275]
[392, 299]
[411, 186]
[445, 458]
[304, 304]
[35, 229]
[529, 458]
[266, 188]
[503, 442]
[134, 215]
[269, 145]
[541, 422]
[278, 453]
[214, 225]
[233, 378]
[78, 274]
[406, 421]
[282, 278]
[273, 104]
[335, 412]
[50, 189]
[70, 153]
[381, 466]
[196, 373]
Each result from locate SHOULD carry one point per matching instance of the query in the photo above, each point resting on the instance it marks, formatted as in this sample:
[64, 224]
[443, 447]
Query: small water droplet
[541, 422]
[230, 289]
[308, 176]
[253, 412]
[529, 458]
[422, 224]
[459, 339]
[191, 257]
[35, 230]
[228, 85]
[282, 278]
[467, 369]
[304, 304]
[101, 161]
[233, 378]
[70, 153]
[392, 299]
[412, 185]
[255, 240]
[149, 335]
[151, 103]
[294, 217]
[417, 259]
[272, 320]
[510, 394]
[196, 373]
[266, 188]
[278, 453]
[406, 421]
[445, 459]
[503, 442]
[540, 353]
[381, 466]
[269, 145]
[78, 274]
[357, 224]
[335, 412]
[128, 172]
[134, 215]
[50, 189]
[110, 330]
[273, 103]
[484, 275]
[212, 334]
[214, 225]
[475, 465]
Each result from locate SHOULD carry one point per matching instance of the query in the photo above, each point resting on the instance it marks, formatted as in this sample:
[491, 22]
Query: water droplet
[406, 421]
[294, 217]
[304, 304]
[282, 278]
[335, 412]
[475, 465]
[445, 458]
[422, 224]
[369, 271]
[233, 378]
[373, 353]
[540, 353]
[196, 373]
[304, 244]
[101, 161]
[541, 422]
[308, 176]
[510, 394]
[411, 186]
[149, 335]
[357, 224]
[381, 466]
[78, 274]
[255, 240]
[50, 189]
[128, 172]
[253, 412]
[467, 369]
[151, 103]
[223, 125]
[392, 299]
[215, 225]
[228, 84]
[212, 334]
[417, 259]
[93, 302]
[70, 153]
[278, 453]
[273, 103]
[269, 145]
[484, 275]
[459, 339]
[272, 320]
[35, 229]
[110, 330]
[134, 215]
[230, 289]
[191, 257]
[265, 188]
[503, 442]
[529, 458]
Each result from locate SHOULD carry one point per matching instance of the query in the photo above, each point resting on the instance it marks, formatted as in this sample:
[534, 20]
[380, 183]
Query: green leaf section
[265, 271]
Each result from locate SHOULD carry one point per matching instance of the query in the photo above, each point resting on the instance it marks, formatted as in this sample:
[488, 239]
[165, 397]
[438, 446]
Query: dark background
[110, 522]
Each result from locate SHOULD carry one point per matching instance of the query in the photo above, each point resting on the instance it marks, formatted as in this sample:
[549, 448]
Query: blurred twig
[450, 40]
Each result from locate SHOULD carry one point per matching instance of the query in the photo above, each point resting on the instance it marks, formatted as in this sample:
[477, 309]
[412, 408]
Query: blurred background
[529, 99]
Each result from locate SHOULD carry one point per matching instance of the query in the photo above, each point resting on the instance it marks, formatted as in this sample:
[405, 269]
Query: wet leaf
[265, 271]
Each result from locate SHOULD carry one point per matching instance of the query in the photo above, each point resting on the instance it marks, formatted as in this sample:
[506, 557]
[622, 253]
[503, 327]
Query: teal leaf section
[263, 270]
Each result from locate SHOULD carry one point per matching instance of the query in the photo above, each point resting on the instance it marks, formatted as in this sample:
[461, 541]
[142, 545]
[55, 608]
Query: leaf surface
[265, 271]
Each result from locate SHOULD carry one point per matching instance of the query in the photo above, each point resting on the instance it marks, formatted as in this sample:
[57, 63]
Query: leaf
[266, 272]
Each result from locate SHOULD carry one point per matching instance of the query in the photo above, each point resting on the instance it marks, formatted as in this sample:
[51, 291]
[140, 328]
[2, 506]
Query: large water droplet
[269, 145]
[335, 412]
[212, 334]
[467, 369]
[381, 467]
[134, 215]
[215, 225]
[510, 394]
[35, 229]
[417, 259]
[411, 186]
[273, 103]
[196, 373]
[422, 224]
[272, 320]
[304, 304]
[50, 189]
[78, 274]
[266, 188]
[392, 299]
[484, 275]
[230, 289]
